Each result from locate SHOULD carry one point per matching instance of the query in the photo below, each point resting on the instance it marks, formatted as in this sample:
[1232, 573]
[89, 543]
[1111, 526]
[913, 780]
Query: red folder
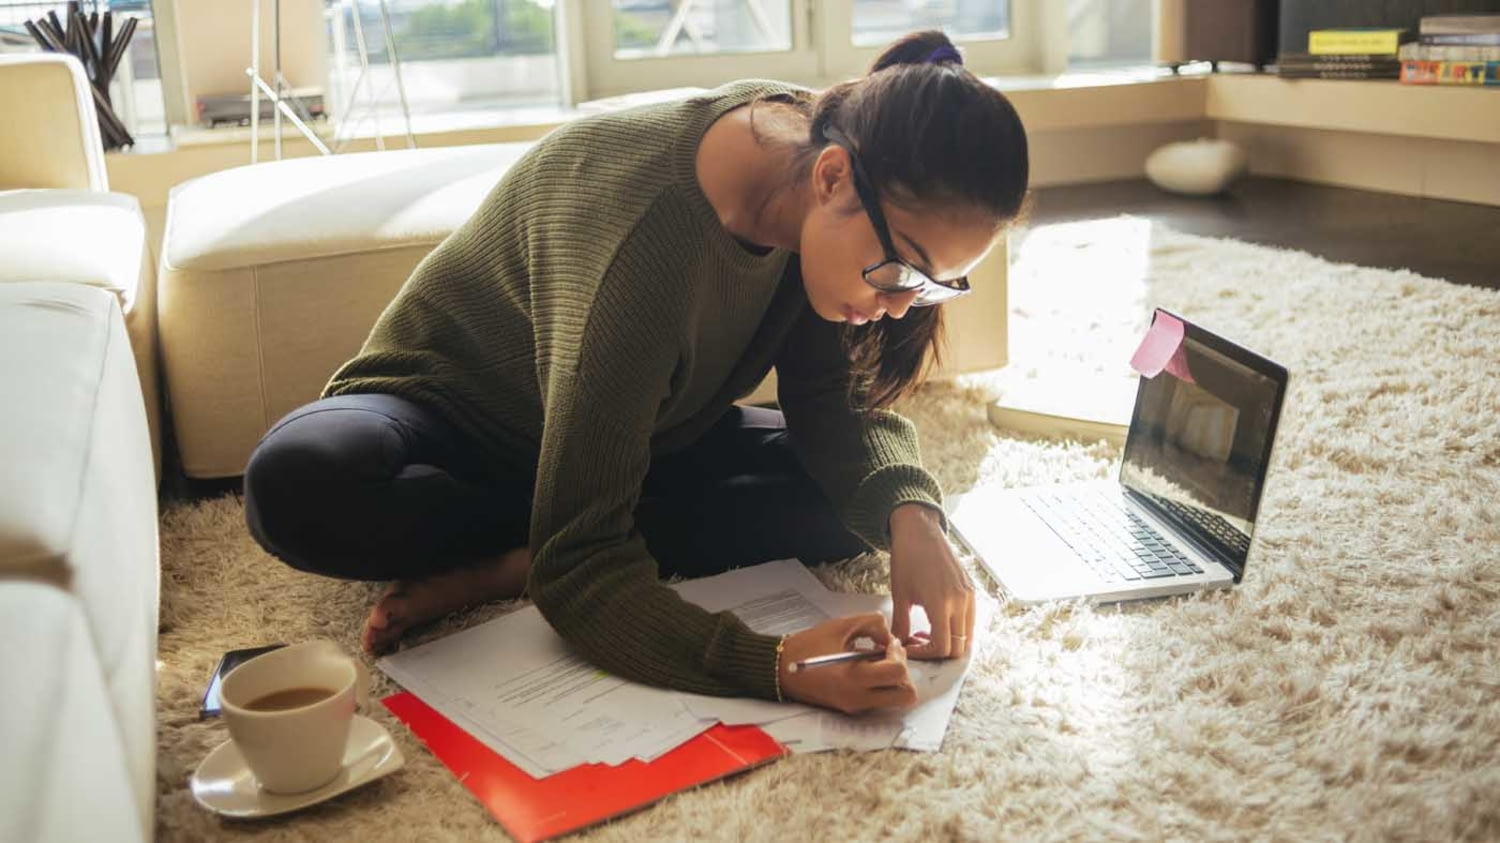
[537, 809]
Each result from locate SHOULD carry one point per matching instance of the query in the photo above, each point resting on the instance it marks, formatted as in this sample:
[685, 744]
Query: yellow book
[1345, 42]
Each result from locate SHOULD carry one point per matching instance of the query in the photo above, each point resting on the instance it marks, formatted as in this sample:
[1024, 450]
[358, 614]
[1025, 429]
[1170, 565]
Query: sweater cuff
[869, 510]
[745, 658]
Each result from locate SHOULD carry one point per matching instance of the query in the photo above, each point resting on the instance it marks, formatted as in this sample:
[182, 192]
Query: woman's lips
[854, 317]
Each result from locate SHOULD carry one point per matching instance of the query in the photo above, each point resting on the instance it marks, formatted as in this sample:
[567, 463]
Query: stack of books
[1454, 50]
[1346, 54]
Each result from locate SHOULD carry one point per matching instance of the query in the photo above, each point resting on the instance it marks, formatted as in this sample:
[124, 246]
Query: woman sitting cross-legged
[547, 406]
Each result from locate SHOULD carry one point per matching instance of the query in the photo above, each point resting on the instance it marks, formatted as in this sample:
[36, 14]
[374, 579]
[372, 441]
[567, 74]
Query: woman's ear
[830, 172]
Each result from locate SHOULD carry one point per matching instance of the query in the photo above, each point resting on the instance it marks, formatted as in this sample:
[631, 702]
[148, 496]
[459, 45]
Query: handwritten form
[514, 685]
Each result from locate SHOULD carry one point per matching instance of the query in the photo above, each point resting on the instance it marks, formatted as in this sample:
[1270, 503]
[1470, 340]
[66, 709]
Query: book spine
[1458, 24]
[1472, 39]
[1383, 42]
[1393, 73]
[1450, 72]
[1295, 58]
[1431, 52]
[1378, 64]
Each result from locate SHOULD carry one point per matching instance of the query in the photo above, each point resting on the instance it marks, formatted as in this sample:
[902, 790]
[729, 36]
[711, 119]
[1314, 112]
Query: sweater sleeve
[867, 462]
[592, 576]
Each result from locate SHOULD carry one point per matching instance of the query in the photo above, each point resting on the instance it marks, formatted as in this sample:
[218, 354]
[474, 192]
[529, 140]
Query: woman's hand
[850, 687]
[924, 572]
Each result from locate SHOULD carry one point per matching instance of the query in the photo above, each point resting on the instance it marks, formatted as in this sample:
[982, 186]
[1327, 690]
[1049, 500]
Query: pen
[838, 658]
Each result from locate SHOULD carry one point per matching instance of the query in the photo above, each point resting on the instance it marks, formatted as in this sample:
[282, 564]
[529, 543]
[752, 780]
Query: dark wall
[1298, 17]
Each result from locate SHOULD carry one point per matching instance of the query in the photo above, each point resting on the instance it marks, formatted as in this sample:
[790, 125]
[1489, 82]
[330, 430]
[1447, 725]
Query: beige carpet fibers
[1349, 689]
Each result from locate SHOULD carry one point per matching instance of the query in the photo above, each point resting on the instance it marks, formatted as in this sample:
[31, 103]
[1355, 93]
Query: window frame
[608, 76]
[1019, 52]
[823, 51]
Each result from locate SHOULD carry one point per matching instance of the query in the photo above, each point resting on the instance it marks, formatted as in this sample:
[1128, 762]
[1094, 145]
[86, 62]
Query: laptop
[1180, 517]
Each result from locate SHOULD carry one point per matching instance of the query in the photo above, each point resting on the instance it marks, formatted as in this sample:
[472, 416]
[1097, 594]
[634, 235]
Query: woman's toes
[385, 621]
[386, 609]
[405, 605]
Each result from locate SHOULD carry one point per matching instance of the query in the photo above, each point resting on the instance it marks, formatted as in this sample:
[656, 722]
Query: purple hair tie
[942, 54]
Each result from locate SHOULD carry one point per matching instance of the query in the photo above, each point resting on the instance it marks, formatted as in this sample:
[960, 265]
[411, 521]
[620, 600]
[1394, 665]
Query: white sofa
[272, 275]
[78, 568]
[78, 515]
[58, 219]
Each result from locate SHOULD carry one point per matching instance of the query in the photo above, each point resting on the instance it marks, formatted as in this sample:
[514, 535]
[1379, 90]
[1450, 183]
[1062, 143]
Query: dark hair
[930, 134]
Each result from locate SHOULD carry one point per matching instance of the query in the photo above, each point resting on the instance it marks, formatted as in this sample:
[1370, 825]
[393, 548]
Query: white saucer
[223, 782]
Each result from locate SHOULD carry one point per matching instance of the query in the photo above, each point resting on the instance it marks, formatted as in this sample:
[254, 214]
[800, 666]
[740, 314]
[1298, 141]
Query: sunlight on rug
[1348, 689]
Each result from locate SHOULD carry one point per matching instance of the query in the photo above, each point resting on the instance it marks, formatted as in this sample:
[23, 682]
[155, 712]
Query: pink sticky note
[1162, 349]
[1178, 367]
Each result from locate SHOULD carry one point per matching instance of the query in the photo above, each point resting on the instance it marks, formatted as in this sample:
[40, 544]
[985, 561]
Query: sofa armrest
[64, 774]
[51, 134]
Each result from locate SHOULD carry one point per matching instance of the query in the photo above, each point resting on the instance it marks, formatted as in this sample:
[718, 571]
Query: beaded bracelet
[780, 645]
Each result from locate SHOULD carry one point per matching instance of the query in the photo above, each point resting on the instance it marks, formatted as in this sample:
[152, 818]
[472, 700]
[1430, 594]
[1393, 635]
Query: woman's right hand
[850, 687]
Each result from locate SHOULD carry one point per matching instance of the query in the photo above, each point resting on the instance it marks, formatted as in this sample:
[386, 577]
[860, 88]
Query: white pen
[838, 658]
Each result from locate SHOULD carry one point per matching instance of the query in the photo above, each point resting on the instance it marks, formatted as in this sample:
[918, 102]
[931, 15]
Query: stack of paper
[513, 684]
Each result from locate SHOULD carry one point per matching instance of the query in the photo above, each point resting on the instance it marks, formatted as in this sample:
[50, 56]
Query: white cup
[298, 749]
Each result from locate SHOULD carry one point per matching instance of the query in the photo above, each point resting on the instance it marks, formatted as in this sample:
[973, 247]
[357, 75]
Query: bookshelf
[1364, 105]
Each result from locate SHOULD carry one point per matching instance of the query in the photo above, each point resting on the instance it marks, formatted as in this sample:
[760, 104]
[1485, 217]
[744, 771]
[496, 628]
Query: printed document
[514, 684]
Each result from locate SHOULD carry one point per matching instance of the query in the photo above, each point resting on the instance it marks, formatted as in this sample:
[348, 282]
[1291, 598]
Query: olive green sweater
[593, 312]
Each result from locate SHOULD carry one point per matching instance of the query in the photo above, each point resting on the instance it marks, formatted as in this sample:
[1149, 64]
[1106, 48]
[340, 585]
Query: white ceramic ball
[1198, 168]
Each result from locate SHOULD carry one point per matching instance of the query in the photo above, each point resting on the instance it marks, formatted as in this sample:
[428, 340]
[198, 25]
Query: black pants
[376, 487]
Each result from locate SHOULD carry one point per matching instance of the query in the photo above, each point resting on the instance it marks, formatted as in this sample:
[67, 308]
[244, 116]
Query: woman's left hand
[924, 572]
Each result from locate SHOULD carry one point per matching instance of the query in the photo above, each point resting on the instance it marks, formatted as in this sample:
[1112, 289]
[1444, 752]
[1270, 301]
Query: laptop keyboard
[1209, 523]
[1115, 542]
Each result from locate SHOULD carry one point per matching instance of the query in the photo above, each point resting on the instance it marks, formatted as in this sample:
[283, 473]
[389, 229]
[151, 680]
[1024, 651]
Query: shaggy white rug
[1348, 689]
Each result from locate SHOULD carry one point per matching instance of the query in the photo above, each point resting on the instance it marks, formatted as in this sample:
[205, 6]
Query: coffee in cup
[289, 711]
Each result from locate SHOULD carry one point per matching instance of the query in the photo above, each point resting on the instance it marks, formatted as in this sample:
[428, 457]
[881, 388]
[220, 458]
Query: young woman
[547, 405]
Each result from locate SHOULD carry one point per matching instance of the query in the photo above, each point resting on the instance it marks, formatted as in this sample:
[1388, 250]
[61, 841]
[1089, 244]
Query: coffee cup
[289, 711]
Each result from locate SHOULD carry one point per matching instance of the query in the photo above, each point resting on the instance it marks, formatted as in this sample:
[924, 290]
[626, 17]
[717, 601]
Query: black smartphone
[229, 661]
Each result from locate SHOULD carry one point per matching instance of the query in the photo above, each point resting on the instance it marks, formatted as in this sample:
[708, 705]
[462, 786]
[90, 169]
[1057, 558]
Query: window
[1109, 33]
[136, 91]
[879, 22]
[458, 58]
[638, 45]
[995, 36]
[461, 61]
[658, 28]
[642, 45]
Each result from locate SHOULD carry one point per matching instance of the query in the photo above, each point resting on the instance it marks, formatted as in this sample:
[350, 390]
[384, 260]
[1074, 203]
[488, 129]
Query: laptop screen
[1198, 445]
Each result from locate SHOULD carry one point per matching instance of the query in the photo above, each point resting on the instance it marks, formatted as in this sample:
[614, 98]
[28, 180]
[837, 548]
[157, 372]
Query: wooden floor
[1456, 241]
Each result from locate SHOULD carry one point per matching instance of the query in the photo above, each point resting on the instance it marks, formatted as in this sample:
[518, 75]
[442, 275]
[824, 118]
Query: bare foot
[408, 604]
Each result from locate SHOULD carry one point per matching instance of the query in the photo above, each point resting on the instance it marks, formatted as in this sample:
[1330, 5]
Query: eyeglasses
[893, 275]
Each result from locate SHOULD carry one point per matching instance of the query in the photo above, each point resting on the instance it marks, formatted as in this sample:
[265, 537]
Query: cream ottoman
[273, 274]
